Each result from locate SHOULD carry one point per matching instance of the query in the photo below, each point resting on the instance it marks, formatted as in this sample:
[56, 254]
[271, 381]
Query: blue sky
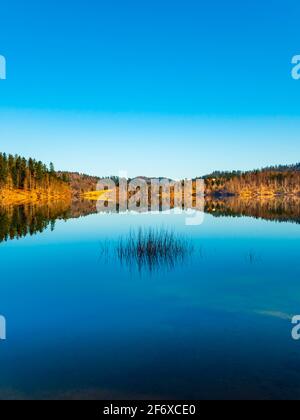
[175, 88]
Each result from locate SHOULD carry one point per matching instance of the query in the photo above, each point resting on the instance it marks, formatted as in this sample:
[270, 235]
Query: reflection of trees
[28, 219]
[280, 209]
[81, 208]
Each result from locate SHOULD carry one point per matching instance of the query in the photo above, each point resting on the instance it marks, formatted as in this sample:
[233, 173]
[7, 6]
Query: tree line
[16, 172]
[277, 180]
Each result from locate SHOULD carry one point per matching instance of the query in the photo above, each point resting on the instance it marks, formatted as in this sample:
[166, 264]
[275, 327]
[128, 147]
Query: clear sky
[161, 87]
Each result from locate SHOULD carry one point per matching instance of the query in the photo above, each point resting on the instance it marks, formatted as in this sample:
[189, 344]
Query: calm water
[217, 325]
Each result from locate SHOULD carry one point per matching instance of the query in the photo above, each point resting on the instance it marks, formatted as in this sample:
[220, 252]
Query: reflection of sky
[74, 318]
[98, 226]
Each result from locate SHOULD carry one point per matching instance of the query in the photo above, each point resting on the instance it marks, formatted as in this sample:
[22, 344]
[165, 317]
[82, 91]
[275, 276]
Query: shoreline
[18, 197]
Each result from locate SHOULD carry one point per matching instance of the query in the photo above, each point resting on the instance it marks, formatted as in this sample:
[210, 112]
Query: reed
[153, 249]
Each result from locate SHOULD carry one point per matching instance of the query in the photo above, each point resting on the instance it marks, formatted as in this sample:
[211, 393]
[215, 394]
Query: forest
[18, 173]
[22, 179]
[280, 180]
[79, 183]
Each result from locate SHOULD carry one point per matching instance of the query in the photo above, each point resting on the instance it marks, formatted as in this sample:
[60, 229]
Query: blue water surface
[216, 325]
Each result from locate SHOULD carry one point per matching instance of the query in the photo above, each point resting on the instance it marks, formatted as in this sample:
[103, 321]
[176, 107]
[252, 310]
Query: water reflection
[201, 328]
[279, 209]
[28, 219]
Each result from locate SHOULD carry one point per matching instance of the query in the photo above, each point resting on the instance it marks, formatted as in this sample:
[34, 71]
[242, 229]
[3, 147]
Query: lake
[214, 324]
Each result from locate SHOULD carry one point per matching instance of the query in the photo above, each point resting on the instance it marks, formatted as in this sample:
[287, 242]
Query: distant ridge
[80, 183]
[284, 168]
[276, 168]
[269, 181]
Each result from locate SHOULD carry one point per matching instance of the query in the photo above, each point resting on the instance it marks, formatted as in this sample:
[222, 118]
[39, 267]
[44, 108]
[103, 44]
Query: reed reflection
[149, 249]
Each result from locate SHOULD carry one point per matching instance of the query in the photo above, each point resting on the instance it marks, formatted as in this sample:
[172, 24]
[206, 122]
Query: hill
[275, 180]
[79, 183]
